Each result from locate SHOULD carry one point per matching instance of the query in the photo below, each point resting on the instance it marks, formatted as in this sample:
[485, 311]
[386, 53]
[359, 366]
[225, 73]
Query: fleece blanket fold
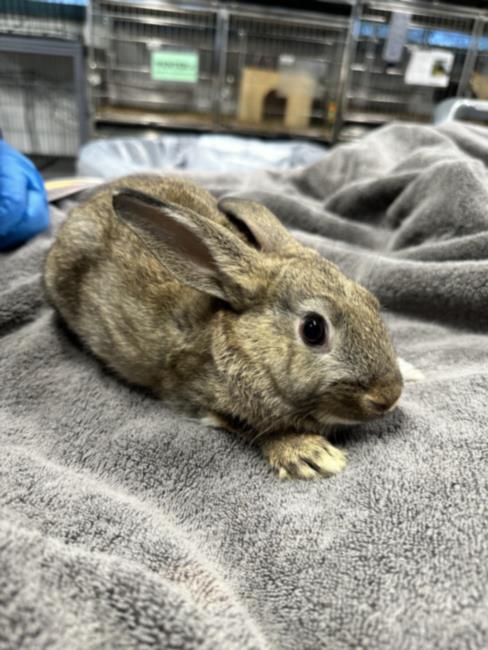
[126, 525]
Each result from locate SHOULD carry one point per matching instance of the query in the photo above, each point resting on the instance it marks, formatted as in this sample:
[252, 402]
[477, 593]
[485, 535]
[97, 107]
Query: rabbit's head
[294, 341]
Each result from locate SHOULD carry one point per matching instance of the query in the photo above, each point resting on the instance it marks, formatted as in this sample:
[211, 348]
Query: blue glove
[24, 210]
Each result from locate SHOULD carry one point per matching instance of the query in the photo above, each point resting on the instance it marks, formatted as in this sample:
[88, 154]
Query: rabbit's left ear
[258, 224]
[200, 253]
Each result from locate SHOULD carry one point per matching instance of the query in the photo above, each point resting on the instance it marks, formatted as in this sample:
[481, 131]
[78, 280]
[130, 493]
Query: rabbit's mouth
[358, 407]
[341, 408]
[330, 420]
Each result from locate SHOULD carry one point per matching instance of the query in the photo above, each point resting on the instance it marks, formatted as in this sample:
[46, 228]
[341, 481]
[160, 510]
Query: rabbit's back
[118, 299]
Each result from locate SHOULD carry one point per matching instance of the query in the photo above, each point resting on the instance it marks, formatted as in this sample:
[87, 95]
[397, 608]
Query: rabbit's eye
[313, 329]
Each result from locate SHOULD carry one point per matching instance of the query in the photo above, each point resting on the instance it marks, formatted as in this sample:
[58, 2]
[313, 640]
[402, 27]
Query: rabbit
[214, 306]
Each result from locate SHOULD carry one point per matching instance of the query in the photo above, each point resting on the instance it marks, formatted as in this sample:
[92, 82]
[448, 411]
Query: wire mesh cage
[408, 56]
[153, 62]
[43, 18]
[41, 101]
[41, 85]
[282, 72]
[200, 65]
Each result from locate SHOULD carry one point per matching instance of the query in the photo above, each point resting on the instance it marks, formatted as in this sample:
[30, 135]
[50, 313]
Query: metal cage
[43, 18]
[134, 43]
[282, 72]
[42, 104]
[42, 80]
[380, 89]
[153, 62]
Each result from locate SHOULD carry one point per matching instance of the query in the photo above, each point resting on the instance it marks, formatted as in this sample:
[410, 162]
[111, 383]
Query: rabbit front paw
[302, 456]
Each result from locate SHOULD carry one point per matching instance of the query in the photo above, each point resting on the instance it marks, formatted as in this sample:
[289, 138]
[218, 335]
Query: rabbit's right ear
[263, 230]
[198, 252]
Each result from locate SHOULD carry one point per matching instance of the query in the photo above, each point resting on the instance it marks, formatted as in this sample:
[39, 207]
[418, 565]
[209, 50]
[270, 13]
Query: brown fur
[207, 316]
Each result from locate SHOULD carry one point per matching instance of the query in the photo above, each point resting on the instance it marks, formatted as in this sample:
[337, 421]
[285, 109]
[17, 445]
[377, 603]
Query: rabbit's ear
[198, 252]
[262, 229]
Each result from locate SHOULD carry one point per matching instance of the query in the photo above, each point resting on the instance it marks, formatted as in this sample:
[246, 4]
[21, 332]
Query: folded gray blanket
[125, 525]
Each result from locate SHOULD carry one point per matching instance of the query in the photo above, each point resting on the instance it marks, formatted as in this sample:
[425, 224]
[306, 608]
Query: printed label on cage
[174, 65]
[429, 68]
[397, 37]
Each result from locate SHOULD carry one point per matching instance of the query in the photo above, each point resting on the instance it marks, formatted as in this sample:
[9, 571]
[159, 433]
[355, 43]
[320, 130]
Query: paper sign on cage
[429, 68]
[174, 65]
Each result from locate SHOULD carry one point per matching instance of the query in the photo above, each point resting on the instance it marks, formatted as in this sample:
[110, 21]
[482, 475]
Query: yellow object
[61, 188]
[297, 87]
[479, 85]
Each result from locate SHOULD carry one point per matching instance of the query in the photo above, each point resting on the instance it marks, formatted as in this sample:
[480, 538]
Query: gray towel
[124, 525]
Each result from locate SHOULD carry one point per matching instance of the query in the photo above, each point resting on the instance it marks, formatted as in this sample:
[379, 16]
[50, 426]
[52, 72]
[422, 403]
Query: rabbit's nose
[376, 405]
[381, 400]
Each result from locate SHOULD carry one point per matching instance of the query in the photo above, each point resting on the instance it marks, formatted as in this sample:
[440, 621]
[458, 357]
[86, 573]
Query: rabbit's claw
[303, 456]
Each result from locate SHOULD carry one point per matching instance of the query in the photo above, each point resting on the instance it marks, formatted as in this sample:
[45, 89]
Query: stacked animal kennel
[153, 62]
[253, 69]
[42, 76]
[213, 65]
[409, 56]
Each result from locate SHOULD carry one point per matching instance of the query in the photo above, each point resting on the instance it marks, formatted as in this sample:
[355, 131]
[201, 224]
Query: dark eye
[313, 329]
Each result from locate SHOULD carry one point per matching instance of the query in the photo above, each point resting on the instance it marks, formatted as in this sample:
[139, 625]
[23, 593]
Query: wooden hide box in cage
[257, 84]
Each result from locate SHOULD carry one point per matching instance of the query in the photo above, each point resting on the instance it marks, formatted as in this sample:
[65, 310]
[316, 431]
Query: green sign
[174, 65]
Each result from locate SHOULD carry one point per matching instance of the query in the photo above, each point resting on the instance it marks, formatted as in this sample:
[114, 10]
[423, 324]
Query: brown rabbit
[216, 306]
